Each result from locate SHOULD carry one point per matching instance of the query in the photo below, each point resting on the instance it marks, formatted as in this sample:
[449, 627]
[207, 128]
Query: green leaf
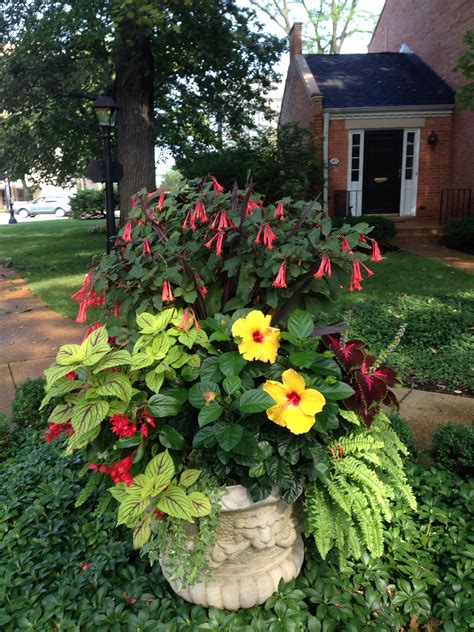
[160, 470]
[142, 532]
[129, 442]
[161, 405]
[116, 358]
[116, 385]
[61, 414]
[300, 324]
[302, 359]
[55, 373]
[209, 413]
[336, 391]
[95, 346]
[205, 437]
[200, 504]
[78, 441]
[118, 492]
[69, 355]
[131, 509]
[210, 371]
[255, 401]
[201, 394]
[86, 415]
[231, 384]
[150, 324]
[154, 379]
[172, 439]
[326, 366]
[279, 471]
[176, 503]
[228, 435]
[141, 360]
[351, 416]
[190, 373]
[189, 477]
[231, 363]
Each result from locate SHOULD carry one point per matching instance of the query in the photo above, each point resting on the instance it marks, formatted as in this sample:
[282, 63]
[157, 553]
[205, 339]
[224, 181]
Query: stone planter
[257, 545]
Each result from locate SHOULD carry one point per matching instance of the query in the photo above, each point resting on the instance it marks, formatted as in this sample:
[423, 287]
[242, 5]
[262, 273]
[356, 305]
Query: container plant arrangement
[225, 419]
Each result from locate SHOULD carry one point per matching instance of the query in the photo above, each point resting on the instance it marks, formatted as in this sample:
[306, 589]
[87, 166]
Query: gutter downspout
[326, 160]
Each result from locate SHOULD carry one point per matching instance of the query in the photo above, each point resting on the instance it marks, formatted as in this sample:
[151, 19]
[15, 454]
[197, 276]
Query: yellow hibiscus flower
[296, 406]
[259, 341]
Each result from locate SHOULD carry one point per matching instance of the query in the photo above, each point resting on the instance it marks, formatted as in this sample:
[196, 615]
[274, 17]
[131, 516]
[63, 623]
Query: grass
[435, 300]
[52, 256]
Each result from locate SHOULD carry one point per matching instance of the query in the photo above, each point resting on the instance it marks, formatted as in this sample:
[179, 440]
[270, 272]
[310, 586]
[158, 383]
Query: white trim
[309, 82]
[387, 114]
[409, 188]
[355, 199]
[325, 159]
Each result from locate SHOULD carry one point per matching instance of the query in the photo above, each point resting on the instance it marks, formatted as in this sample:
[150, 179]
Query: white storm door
[355, 172]
[409, 184]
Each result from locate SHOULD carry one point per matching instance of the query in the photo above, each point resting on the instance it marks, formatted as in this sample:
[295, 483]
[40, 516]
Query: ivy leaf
[209, 413]
[161, 470]
[172, 439]
[175, 503]
[95, 346]
[69, 355]
[203, 393]
[231, 363]
[228, 436]
[86, 415]
[255, 401]
[300, 324]
[131, 509]
[200, 504]
[142, 532]
[189, 477]
[116, 385]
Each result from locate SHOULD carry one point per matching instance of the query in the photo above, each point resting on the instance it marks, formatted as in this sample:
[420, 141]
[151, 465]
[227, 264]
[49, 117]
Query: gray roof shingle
[378, 80]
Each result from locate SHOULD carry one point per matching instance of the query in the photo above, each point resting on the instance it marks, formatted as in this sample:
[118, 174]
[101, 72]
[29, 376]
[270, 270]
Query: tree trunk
[135, 123]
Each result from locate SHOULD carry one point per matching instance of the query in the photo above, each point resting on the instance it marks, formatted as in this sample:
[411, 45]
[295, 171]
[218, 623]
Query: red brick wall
[433, 168]
[296, 106]
[434, 29]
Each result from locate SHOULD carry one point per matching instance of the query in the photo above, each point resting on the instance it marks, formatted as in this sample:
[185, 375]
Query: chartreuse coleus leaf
[131, 509]
[79, 441]
[154, 379]
[142, 532]
[150, 323]
[56, 372]
[69, 355]
[201, 505]
[88, 414]
[189, 477]
[95, 346]
[61, 387]
[174, 502]
[160, 470]
[116, 358]
[116, 385]
[61, 413]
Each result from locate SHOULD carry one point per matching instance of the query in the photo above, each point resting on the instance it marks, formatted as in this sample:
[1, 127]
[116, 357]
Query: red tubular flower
[71, 375]
[54, 430]
[87, 297]
[196, 322]
[185, 324]
[121, 425]
[144, 431]
[268, 236]
[202, 289]
[218, 238]
[362, 239]
[146, 247]
[161, 200]
[280, 279]
[117, 309]
[93, 466]
[222, 221]
[376, 256]
[217, 187]
[258, 239]
[344, 244]
[251, 205]
[167, 293]
[279, 212]
[357, 275]
[200, 213]
[189, 217]
[127, 233]
[324, 268]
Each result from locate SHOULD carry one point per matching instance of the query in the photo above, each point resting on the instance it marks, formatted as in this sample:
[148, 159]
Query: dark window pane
[356, 139]
[355, 163]
[411, 137]
[356, 151]
[408, 174]
[355, 176]
[409, 162]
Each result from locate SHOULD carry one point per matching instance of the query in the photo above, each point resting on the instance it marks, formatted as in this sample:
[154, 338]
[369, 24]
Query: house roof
[377, 80]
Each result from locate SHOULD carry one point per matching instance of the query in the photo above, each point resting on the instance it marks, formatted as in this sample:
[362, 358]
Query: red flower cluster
[369, 380]
[279, 212]
[167, 293]
[120, 472]
[324, 268]
[54, 430]
[357, 277]
[147, 419]
[87, 297]
[268, 236]
[122, 425]
[280, 279]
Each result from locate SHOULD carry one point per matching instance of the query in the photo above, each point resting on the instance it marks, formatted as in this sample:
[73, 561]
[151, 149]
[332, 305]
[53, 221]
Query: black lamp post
[8, 194]
[106, 111]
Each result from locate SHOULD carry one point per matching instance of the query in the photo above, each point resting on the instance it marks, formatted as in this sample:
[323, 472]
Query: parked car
[57, 204]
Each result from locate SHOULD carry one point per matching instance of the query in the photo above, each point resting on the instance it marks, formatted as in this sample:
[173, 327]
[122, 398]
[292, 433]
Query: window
[355, 158]
[409, 156]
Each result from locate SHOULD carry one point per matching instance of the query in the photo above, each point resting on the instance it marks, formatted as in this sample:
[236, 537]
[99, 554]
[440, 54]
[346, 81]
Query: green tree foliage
[466, 66]
[283, 162]
[329, 22]
[181, 71]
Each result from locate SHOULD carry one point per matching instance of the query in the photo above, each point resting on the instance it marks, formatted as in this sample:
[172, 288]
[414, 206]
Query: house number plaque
[334, 161]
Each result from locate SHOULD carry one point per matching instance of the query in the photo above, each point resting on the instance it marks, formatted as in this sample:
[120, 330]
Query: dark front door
[382, 171]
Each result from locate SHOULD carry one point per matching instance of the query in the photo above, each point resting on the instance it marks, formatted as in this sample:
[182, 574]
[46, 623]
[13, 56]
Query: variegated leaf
[142, 532]
[95, 346]
[86, 415]
[201, 505]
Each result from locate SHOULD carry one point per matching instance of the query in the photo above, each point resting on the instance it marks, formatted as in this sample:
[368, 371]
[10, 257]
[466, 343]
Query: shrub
[25, 407]
[403, 430]
[453, 448]
[460, 234]
[6, 432]
[384, 229]
[88, 204]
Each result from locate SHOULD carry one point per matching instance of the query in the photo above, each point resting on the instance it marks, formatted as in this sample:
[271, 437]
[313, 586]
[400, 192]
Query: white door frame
[355, 187]
[409, 183]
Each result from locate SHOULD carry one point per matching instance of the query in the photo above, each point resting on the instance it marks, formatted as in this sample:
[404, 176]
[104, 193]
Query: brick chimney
[295, 39]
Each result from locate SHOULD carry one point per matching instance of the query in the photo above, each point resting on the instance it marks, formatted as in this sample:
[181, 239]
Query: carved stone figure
[257, 544]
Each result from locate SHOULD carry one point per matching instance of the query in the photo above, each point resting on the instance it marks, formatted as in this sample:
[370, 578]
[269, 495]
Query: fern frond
[337, 494]
[319, 520]
[358, 471]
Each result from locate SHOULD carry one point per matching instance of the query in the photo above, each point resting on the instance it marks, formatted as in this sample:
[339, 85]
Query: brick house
[384, 123]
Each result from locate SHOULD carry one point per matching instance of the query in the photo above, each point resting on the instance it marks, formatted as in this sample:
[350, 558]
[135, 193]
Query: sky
[356, 44]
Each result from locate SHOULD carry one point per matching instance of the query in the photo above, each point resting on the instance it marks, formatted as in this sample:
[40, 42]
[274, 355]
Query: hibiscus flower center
[293, 398]
[258, 336]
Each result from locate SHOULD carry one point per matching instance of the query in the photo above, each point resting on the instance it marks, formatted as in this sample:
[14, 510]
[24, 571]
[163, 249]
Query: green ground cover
[52, 256]
[62, 568]
[435, 300]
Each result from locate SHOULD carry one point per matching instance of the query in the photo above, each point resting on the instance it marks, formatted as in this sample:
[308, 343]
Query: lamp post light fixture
[106, 111]
[9, 201]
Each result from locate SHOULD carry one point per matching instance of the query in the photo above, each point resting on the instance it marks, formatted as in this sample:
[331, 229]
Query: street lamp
[8, 194]
[106, 111]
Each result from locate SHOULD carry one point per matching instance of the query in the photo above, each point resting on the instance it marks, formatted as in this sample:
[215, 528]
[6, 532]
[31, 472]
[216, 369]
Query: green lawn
[435, 300]
[53, 256]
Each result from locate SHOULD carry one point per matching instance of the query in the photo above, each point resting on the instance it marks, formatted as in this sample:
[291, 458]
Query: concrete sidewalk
[433, 250]
[30, 335]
